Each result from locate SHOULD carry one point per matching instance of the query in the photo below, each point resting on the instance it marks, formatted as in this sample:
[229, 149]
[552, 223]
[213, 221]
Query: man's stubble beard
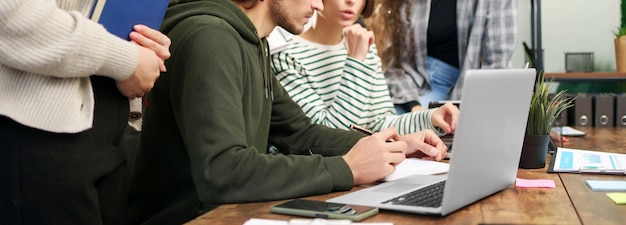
[281, 16]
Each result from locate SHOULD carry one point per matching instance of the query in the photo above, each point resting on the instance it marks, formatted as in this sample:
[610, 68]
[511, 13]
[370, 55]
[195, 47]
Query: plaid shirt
[487, 32]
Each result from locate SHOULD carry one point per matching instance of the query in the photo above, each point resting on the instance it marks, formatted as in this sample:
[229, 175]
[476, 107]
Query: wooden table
[594, 207]
[571, 202]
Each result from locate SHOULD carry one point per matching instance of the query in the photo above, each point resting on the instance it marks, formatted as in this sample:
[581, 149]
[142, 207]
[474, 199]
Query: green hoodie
[209, 120]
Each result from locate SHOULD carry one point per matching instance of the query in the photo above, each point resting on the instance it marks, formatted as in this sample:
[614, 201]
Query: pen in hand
[363, 130]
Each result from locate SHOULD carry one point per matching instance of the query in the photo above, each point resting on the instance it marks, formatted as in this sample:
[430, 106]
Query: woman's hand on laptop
[425, 144]
[445, 117]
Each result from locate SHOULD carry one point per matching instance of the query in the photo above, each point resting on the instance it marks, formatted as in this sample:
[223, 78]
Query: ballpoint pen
[365, 131]
[600, 169]
[361, 129]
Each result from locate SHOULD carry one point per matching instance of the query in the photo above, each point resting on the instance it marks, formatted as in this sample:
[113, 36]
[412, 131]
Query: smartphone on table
[320, 209]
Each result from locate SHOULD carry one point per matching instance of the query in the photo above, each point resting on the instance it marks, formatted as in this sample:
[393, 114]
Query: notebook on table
[487, 148]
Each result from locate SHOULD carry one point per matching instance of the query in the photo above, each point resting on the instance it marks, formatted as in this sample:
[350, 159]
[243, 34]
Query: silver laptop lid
[489, 135]
[487, 145]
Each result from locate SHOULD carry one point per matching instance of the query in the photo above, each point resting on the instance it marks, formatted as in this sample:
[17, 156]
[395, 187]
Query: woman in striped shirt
[333, 72]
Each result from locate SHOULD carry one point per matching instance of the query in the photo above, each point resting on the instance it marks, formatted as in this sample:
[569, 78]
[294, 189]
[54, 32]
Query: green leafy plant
[620, 31]
[544, 108]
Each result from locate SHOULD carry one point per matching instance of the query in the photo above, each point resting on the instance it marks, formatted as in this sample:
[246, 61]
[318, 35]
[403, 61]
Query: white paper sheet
[413, 166]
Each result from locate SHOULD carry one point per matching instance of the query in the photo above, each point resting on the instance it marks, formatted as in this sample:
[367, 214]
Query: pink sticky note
[537, 183]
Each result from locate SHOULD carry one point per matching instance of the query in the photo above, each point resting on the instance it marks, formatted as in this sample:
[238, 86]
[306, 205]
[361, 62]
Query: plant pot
[534, 152]
[620, 54]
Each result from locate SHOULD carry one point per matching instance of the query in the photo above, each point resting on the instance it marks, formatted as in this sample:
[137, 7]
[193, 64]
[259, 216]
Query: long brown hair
[387, 24]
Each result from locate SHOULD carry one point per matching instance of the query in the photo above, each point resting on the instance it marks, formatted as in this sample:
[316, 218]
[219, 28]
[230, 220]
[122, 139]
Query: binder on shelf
[570, 120]
[119, 16]
[583, 110]
[620, 110]
[562, 119]
[604, 110]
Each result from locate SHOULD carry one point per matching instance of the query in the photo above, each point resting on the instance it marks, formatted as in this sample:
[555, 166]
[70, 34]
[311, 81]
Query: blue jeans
[442, 78]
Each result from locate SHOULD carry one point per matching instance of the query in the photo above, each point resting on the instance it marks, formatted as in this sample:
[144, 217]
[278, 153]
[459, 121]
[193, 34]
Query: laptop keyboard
[430, 196]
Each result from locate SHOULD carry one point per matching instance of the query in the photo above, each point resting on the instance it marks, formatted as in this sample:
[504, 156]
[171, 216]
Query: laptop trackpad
[396, 188]
[409, 183]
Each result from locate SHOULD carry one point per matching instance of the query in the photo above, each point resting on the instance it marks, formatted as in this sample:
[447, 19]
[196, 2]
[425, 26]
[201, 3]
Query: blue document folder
[119, 16]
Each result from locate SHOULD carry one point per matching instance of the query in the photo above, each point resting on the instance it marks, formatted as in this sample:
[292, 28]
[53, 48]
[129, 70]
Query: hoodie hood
[179, 10]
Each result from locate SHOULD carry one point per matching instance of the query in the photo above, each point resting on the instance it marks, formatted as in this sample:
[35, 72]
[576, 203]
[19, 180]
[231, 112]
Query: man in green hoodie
[210, 118]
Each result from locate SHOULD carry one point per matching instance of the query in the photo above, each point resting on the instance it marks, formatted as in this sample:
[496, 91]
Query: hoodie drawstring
[267, 79]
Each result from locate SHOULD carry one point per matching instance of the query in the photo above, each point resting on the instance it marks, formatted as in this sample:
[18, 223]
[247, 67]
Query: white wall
[571, 26]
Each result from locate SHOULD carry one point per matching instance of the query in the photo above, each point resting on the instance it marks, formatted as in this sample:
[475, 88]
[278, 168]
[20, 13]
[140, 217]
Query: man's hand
[373, 157]
[426, 145]
[446, 117]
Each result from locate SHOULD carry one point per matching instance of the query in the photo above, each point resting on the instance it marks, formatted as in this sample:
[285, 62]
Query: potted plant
[620, 41]
[620, 49]
[543, 112]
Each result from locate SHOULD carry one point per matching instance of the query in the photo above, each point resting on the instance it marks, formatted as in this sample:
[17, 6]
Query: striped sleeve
[335, 90]
[382, 109]
[313, 92]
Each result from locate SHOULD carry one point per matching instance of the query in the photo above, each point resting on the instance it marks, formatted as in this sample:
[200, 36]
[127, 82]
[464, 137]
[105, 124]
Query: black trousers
[52, 178]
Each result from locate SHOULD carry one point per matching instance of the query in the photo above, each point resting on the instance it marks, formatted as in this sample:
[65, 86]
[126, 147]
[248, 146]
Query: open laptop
[487, 147]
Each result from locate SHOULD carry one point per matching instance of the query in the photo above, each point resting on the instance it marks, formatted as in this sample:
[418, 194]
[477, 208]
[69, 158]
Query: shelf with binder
[595, 110]
[620, 110]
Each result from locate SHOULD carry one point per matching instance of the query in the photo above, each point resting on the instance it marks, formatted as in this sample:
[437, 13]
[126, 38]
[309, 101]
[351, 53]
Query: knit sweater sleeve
[37, 36]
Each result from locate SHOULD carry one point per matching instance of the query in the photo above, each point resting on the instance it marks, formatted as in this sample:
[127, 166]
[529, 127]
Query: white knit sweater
[48, 50]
